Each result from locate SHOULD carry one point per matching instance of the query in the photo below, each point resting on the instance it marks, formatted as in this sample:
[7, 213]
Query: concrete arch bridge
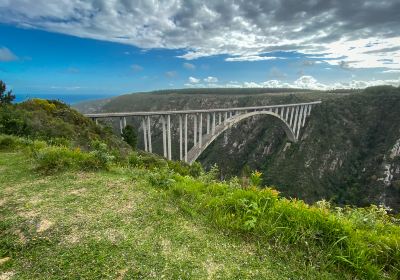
[208, 124]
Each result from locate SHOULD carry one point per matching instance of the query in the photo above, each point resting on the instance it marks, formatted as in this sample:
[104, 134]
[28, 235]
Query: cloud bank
[304, 82]
[356, 34]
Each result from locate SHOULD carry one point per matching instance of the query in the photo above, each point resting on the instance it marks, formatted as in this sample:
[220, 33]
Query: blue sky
[86, 49]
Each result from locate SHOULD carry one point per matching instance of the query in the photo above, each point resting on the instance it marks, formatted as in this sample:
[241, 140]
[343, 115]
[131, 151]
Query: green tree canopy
[6, 97]
[130, 136]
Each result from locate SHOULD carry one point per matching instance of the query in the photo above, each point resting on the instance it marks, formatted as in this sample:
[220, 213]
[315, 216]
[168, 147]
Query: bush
[8, 142]
[52, 159]
[13, 121]
[130, 136]
[101, 158]
[256, 178]
[147, 160]
[55, 159]
[210, 176]
[196, 169]
[162, 178]
[179, 167]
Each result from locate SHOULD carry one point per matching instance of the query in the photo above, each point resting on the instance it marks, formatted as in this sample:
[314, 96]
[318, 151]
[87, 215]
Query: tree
[130, 136]
[5, 97]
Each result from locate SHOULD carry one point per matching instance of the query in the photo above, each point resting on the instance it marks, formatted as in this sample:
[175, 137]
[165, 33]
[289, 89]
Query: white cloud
[7, 55]
[365, 34]
[392, 71]
[193, 80]
[211, 79]
[363, 53]
[304, 82]
[308, 82]
[250, 58]
[189, 66]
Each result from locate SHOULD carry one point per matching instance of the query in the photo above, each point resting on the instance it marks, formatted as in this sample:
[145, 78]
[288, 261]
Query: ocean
[68, 99]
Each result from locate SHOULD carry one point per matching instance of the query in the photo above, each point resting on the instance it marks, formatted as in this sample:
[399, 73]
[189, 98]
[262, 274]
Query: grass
[114, 225]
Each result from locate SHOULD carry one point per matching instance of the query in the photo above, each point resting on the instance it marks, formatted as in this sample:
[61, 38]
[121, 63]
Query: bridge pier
[186, 143]
[169, 136]
[213, 124]
[149, 134]
[164, 132]
[180, 138]
[208, 123]
[144, 133]
[120, 125]
[296, 115]
[195, 129]
[287, 114]
[201, 129]
[299, 121]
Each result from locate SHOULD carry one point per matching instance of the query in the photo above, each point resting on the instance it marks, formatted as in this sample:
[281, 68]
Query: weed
[256, 178]
[161, 178]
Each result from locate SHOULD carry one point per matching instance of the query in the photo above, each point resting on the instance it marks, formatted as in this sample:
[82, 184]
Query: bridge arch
[197, 150]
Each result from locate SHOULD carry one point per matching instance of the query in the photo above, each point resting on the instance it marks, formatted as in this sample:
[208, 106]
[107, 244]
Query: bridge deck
[127, 114]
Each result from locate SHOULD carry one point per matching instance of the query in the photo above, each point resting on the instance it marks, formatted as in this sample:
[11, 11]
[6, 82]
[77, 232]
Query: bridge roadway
[292, 117]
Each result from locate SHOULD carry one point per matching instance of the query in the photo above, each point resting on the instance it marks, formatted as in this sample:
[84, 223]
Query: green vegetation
[343, 154]
[130, 136]
[76, 223]
[6, 97]
[80, 204]
[55, 122]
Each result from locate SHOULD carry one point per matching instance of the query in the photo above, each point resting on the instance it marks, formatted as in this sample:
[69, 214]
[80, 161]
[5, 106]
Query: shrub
[147, 160]
[36, 103]
[101, 158]
[55, 159]
[13, 121]
[196, 169]
[162, 178]
[210, 176]
[256, 178]
[52, 159]
[179, 167]
[234, 183]
[8, 142]
[130, 136]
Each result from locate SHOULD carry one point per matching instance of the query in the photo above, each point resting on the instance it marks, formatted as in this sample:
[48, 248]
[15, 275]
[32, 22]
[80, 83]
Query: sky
[99, 48]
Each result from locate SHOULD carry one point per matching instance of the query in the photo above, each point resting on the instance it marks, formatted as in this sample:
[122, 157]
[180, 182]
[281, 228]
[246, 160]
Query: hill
[345, 153]
[144, 219]
[53, 121]
[67, 212]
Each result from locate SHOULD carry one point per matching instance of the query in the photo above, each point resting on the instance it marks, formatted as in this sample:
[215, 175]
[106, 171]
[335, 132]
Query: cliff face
[348, 152]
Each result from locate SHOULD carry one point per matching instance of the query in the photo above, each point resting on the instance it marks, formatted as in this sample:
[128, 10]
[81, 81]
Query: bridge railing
[153, 113]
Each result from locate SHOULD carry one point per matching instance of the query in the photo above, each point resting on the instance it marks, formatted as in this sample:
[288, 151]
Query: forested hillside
[347, 152]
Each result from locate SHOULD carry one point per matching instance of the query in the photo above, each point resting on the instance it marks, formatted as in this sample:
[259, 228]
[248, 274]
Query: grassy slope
[111, 224]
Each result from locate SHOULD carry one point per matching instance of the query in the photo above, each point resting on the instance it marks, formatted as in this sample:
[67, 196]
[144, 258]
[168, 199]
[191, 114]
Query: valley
[346, 153]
